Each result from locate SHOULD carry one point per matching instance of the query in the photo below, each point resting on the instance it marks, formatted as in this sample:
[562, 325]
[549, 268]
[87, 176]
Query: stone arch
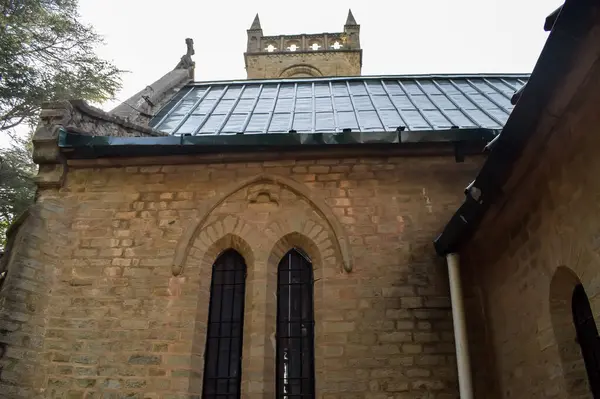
[195, 226]
[212, 241]
[562, 286]
[292, 42]
[294, 70]
[207, 241]
[318, 41]
[314, 237]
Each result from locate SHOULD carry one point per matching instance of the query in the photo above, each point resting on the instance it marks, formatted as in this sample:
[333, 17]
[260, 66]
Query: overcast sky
[147, 38]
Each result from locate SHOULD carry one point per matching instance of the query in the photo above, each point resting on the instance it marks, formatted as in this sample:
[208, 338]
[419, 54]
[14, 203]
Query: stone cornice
[75, 116]
[301, 52]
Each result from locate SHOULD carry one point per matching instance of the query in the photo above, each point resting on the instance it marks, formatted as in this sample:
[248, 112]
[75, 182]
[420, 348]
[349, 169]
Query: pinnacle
[255, 23]
[350, 20]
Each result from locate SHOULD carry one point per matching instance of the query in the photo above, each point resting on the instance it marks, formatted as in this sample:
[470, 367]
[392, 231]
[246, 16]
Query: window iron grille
[295, 327]
[223, 353]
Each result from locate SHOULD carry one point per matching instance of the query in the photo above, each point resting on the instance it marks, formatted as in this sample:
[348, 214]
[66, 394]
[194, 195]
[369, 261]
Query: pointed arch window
[587, 337]
[223, 353]
[295, 327]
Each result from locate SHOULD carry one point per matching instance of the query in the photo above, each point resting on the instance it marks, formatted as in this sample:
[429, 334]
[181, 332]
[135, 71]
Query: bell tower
[303, 55]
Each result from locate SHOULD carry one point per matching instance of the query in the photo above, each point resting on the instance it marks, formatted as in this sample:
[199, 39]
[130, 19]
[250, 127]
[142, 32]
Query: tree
[17, 188]
[47, 54]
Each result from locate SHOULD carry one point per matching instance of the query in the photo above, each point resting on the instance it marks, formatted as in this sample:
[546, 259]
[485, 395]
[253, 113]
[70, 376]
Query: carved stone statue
[186, 60]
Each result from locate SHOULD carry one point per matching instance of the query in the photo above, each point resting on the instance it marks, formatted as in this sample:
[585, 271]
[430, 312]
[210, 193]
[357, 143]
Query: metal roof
[328, 105]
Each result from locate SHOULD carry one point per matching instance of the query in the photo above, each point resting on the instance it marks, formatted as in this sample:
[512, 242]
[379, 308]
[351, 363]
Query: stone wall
[322, 63]
[538, 243]
[124, 302]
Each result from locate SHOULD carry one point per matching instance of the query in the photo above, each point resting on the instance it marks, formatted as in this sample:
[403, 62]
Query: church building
[311, 232]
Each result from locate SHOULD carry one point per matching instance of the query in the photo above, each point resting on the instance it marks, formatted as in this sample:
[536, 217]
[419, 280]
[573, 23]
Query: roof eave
[75, 145]
[572, 25]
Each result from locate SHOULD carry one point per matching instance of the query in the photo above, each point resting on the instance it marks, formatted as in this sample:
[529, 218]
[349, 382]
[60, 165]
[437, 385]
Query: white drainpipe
[465, 383]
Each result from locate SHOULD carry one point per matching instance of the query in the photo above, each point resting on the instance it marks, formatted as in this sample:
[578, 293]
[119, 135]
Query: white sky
[147, 38]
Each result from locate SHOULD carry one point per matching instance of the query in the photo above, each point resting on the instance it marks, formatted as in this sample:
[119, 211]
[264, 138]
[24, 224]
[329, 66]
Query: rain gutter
[77, 145]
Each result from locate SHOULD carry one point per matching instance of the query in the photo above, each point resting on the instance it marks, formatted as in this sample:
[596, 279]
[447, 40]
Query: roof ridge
[366, 77]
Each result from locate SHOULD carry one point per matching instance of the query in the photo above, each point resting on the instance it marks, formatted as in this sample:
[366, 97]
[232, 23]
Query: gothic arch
[319, 254]
[208, 241]
[562, 286]
[315, 238]
[211, 242]
[300, 70]
[195, 226]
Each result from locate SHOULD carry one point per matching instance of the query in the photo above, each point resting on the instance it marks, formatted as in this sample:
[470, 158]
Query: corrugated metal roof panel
[382, 103]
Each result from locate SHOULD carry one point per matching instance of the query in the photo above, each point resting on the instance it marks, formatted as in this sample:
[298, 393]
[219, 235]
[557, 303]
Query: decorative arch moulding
[339, 237]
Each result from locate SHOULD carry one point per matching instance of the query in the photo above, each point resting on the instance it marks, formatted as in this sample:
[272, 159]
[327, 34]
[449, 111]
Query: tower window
[223, 353]
[295, 327]
[315, 46]
[270, 48]
[337, 45]
[293, 47]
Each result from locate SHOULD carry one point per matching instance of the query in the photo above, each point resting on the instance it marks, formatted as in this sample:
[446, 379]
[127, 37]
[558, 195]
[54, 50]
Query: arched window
[223, 353]
[587, 337]
[295, 327]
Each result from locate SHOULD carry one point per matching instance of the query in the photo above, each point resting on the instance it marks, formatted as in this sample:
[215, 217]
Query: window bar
[394, 105]
[496, 88]
[272, 112]
[492, 117]
[360, 128]
[185, 118]
[314, 109]
[209, 113]
[293, 113]
[221, 372]
[249, 115]
[230, 112]
[458, 107]
[295, 327]
[373, 104]
[174, 107]
[453, 123]
[407, 94]
[486, 96]
[335, 115]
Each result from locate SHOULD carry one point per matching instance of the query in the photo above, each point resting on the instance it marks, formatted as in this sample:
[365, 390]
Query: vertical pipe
[460, 330]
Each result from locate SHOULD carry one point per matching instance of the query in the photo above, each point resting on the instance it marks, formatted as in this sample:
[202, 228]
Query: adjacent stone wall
[542, 241]
[125, 303]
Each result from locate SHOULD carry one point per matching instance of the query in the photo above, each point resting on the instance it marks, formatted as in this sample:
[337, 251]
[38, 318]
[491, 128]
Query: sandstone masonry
[108, 286]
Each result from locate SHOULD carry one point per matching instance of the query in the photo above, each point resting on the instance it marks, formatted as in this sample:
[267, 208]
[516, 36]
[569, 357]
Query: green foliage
[46, 54]
[17, 189]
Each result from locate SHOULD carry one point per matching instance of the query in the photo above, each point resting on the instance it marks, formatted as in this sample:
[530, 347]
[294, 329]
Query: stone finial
[186, 60]
[256, 24]
[350, 20]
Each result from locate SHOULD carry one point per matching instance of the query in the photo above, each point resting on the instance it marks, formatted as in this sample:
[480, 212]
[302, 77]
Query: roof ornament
[186, 61]
[350, 20]
[256, 23]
